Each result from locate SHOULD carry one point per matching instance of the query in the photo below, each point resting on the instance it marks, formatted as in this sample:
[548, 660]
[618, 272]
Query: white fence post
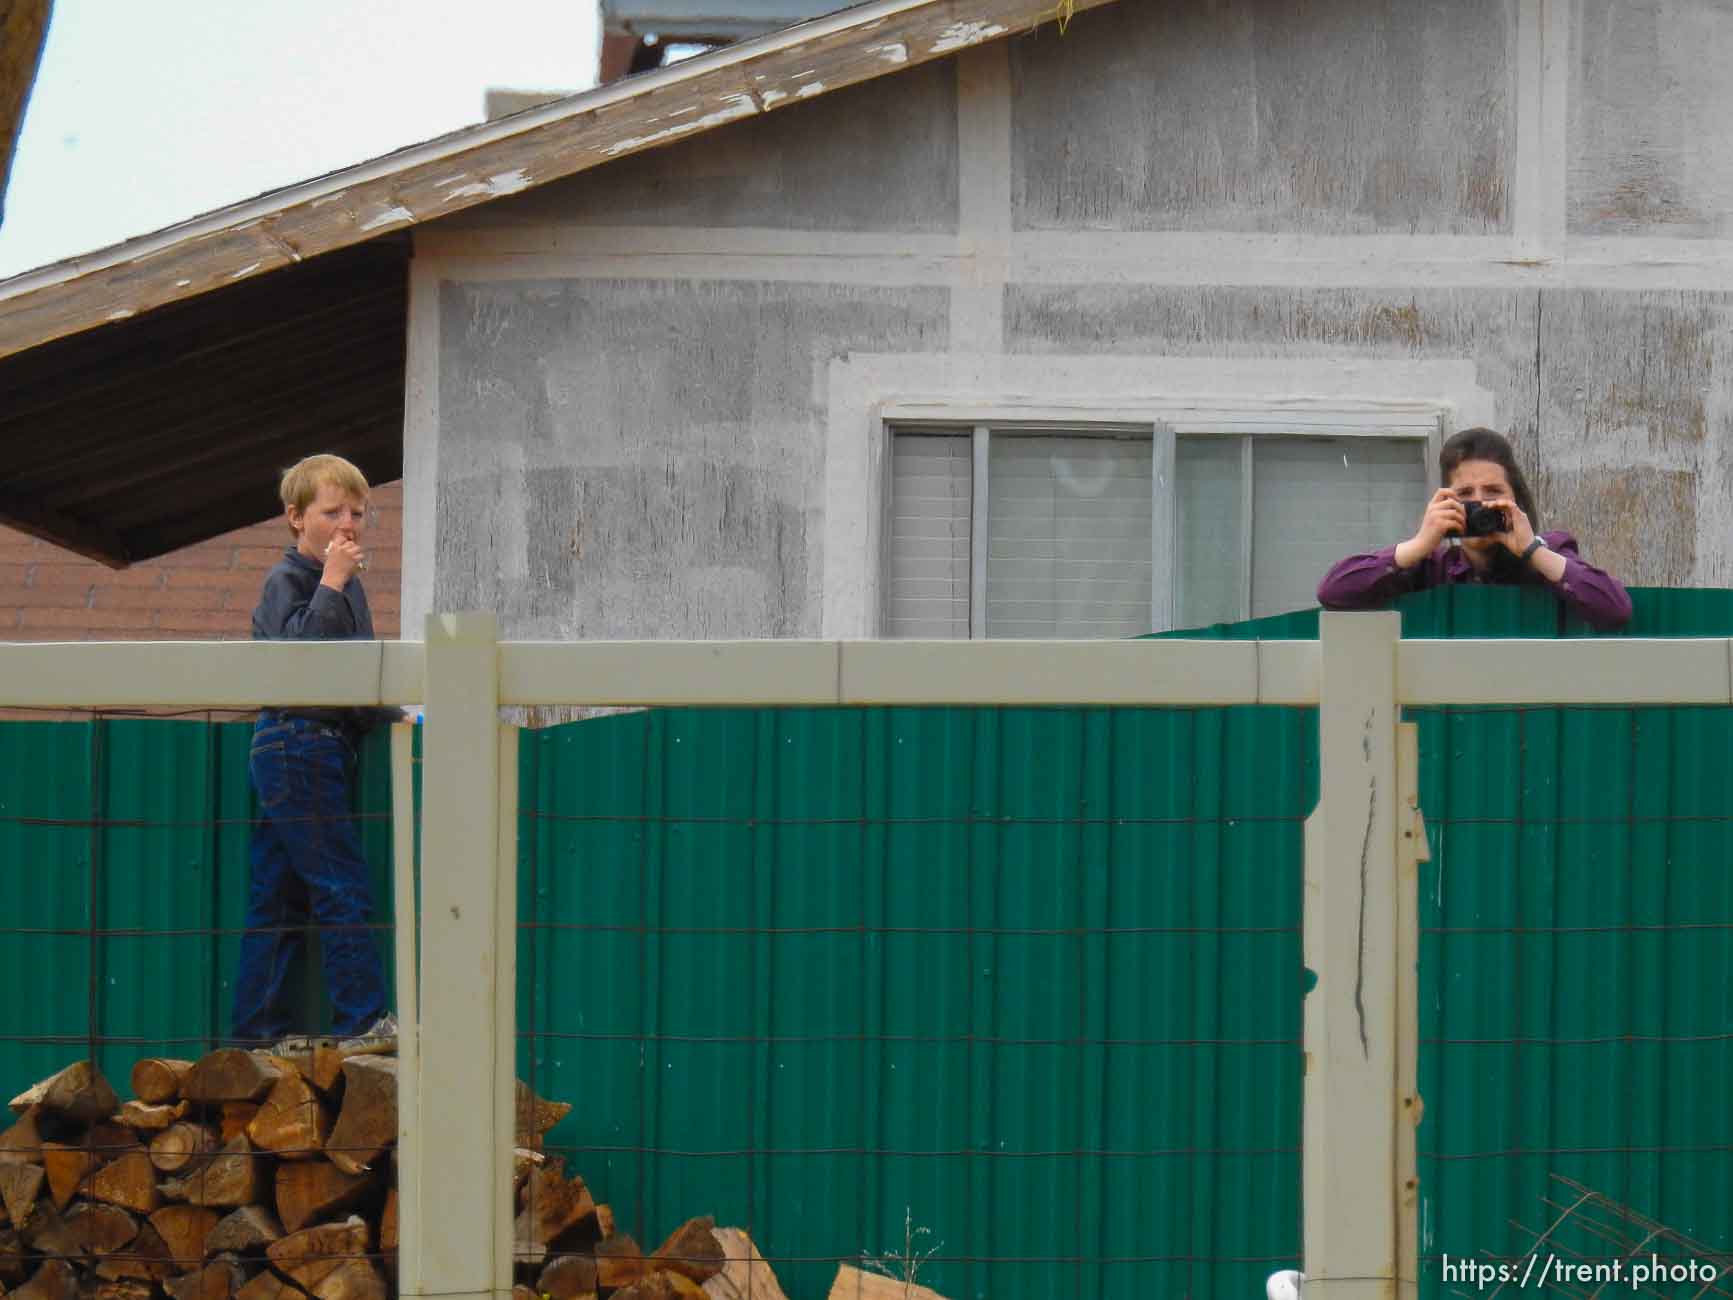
[405, 936]
[1411, 851]
[1350, 928]
[459, 1244]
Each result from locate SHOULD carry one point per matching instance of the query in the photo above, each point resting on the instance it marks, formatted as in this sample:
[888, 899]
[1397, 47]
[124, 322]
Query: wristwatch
[1529, 550]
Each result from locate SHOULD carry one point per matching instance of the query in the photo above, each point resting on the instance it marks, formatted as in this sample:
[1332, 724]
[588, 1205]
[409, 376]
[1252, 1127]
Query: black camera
[1483, 521]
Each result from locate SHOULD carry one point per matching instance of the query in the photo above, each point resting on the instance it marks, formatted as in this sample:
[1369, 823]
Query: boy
[306, 856]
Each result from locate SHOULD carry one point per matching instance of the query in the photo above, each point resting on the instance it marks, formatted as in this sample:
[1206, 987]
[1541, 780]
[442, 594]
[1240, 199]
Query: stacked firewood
[274, 1178]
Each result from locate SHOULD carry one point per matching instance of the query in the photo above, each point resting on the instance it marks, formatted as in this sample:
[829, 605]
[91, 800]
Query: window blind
[1208, 575]
[1316, 500]
[932, 486]
[1068, 521]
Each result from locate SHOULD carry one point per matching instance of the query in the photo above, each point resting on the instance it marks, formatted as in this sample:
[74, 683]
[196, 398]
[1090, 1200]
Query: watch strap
[1531, 548]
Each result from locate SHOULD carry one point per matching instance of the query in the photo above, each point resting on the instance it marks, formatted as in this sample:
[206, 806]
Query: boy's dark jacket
[294, 606]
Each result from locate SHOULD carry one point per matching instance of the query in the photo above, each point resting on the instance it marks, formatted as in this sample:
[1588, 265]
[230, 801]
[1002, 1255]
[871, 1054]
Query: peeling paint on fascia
[122, 314]
[771, 96]
[797, 76]
[450, 180]
[329, 198]
[183, 284]
[245, 270]
[389, 217]
[682, 112]
[895, 52]
[738, 106]
[810, 88]
[958, 35]
[494, 186]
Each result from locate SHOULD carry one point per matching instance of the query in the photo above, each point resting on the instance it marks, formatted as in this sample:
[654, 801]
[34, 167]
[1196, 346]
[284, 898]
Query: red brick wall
[202, 593]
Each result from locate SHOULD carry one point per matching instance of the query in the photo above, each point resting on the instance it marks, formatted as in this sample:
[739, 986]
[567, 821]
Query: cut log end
[293, 1122]
[183, 1146]
[367, 1122]
[692, 1250]
[159, 1079]
[744, 1274]
[312, 1255]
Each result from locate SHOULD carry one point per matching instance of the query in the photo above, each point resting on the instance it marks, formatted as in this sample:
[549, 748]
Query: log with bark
[231, 1075]
[78, 1094]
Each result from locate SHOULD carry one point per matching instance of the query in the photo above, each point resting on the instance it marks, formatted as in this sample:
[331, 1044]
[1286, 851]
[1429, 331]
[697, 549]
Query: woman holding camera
[1485, 502]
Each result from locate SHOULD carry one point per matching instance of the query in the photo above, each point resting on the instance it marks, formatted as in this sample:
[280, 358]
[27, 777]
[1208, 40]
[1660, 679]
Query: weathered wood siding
[1636, 420]
[627, 379]
[1383, 115]
[1651, 96]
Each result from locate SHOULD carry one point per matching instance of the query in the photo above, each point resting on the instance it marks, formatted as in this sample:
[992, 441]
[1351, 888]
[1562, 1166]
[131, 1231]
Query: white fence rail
[1362, 848]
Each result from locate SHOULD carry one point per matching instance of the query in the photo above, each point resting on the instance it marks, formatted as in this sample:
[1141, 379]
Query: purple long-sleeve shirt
[1374, 579]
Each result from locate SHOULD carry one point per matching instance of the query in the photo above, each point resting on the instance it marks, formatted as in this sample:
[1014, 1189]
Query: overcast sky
[146, 112]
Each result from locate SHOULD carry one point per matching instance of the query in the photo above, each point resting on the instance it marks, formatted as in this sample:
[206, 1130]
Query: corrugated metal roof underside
[1028, 976]
[131, 441]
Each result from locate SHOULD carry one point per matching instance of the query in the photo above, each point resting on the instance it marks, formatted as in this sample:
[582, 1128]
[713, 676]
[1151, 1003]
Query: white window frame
[1166, 578]
[872, 394]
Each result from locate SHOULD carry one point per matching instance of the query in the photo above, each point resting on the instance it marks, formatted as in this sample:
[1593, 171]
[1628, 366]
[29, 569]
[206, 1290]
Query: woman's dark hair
[1485, 444]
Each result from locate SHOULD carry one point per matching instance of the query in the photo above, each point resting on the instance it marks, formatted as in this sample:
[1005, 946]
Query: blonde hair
[301, 481]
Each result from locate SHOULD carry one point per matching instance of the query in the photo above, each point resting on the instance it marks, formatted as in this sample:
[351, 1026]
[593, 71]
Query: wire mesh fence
[1006, 1000]
[870, 984]
[149, 1148]
[1592, 1246]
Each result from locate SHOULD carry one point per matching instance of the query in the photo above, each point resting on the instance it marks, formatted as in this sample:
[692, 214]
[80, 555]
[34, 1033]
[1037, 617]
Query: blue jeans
[306, 863]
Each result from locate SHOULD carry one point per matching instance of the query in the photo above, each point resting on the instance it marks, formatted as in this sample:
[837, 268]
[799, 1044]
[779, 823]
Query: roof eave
[495, 159]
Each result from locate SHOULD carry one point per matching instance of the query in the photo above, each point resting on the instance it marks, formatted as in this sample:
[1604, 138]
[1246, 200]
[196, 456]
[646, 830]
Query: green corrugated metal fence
[1031, 977]
[1576, 960]
[123, 866]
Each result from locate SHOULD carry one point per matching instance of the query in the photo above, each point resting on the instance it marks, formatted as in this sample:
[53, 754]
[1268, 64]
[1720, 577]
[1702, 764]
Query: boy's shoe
[379, 1037]
[301, 1044]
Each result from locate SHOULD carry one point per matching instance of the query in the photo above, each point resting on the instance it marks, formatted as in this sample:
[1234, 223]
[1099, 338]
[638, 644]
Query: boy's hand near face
[342, 558]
